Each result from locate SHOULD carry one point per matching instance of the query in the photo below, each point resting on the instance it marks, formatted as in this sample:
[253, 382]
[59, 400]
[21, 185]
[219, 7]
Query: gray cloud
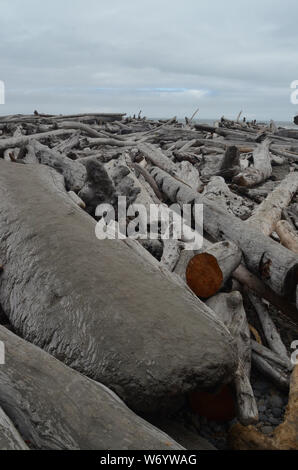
[164, 57]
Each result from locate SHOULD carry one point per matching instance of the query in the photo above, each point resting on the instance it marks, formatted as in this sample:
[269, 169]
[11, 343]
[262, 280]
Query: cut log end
[203, 275]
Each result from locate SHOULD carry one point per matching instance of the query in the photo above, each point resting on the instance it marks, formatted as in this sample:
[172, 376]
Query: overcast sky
[166, 57]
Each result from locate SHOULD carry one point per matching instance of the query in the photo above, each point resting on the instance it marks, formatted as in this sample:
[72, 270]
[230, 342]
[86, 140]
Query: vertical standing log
[229, 308]
[276, 265]
[262, 169]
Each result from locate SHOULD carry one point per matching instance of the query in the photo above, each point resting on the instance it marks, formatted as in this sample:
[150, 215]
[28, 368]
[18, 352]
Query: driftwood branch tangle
[276, 265]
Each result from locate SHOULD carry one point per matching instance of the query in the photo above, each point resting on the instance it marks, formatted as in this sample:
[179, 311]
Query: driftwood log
[260, 171]
[288, 236]
[284, 436]
[269, 212]
[10, 438]
[55, 407]
[270, 331]
[229, 308]
[208, 271]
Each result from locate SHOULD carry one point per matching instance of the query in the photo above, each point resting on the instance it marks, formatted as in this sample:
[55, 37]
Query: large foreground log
[95, 304]
[262, 169]
[10, 438]
[276, 265]
[55, 407]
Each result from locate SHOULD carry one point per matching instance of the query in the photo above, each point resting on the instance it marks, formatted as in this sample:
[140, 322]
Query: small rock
[267, 429]
[276, 401]
[276, 412]
[274, 421]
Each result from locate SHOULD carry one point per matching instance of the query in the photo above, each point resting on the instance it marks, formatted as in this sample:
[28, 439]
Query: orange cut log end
[203, 275]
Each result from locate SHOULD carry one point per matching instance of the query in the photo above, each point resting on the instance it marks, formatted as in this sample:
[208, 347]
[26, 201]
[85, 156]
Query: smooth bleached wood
[261, 169]
[269, 212]
[10, 438]
[208, 271]
[288, 235]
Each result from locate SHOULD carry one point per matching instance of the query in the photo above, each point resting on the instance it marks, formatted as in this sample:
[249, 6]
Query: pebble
[276, 412]
[276, 401]
[274, 421]
[267, 429]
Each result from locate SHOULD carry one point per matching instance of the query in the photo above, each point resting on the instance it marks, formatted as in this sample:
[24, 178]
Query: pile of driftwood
[150, 319]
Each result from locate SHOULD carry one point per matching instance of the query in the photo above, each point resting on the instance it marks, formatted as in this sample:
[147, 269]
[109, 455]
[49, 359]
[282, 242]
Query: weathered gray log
[126, 182]
[74, 172]
[92, 142]
[25, 139]
[157, 158]
[270, 370]
[190, 175]
[290, 133]
[92, 303]
[30, 156]
[98, 187]
[270, 331]
[103, 117]
[229, 308]
[281, 152]
[261, 170]
[288, 236]
[246, 278]
[82, 127]
[10, 438]
[55, 407]
[230, 163]
[171, 254]
[269, 212]
[145, 173]
[275, 359]
[67, 145]
[276, 265]
[217, 191]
